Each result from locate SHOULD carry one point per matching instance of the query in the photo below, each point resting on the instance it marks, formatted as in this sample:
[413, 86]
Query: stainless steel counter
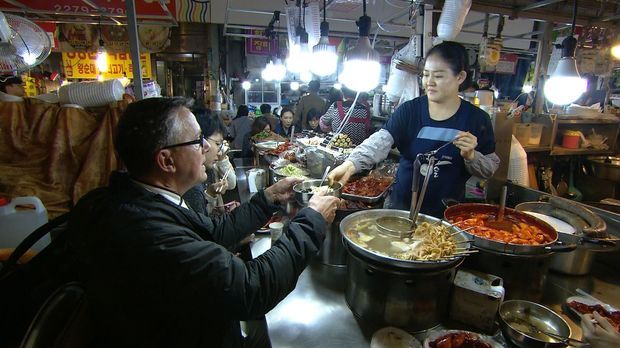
[315, 314]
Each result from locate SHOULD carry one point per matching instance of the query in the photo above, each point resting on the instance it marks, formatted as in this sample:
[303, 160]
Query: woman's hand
[466, 142]
[217, 188]
[342, 173]
[600, 334]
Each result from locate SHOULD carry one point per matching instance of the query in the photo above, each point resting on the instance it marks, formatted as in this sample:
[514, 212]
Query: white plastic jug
[15, 225]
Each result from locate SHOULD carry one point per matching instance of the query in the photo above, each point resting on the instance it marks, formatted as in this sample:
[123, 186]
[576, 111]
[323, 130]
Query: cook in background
[307, 102]
[599, 332]
[159, 274]
[240, 126]
[334, 96]
[260, 124]
[286, 122]
[313, 121]
[206, 196]
[265, 110]
[358, 126]
[424, 124]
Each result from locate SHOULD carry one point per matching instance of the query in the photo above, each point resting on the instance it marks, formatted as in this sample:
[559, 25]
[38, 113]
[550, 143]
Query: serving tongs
[407, 226]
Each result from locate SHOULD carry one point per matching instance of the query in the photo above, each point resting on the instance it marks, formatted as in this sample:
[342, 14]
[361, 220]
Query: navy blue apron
[449, 174]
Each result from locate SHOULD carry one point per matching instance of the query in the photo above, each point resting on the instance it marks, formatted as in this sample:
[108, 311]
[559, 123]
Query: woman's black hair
[456, 56]
[335, 95]
[259, 125]
[243, 110]
[209, 123]
[313, 113]
[286, 109]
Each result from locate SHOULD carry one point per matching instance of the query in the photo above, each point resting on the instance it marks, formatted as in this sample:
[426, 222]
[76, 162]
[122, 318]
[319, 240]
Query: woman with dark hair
[240, 126]
[260, 124]
[206, 196]
[313, 121]
[426, 123]
[286, 122]
[358, 125]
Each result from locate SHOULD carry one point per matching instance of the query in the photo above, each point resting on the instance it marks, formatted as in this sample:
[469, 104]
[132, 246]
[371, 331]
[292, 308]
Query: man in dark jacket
[157, 273]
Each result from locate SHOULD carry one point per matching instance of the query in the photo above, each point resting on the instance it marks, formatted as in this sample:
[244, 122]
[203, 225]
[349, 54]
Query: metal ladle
[402, 227]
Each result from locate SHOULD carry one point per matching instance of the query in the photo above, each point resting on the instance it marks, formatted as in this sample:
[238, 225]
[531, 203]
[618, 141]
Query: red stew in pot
[522, 232]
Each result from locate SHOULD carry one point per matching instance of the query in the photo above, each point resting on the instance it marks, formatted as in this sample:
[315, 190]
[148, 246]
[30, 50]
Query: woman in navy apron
[426, 123]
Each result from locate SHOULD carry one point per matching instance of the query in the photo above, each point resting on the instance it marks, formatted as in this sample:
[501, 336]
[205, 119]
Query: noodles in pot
[428, 242]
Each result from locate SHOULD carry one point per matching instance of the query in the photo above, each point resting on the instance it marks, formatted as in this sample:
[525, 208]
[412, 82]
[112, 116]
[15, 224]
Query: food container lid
[572, 133]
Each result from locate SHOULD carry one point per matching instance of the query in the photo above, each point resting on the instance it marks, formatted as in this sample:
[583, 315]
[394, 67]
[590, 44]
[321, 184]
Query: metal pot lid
[362, 236]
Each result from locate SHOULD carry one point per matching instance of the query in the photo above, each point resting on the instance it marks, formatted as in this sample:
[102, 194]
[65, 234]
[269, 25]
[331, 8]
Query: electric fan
[23, 44]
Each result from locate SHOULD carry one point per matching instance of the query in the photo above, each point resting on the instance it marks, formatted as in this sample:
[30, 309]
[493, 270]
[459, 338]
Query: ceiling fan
[23, 44]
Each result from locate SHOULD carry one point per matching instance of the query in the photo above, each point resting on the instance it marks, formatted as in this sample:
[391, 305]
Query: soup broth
[428, 242]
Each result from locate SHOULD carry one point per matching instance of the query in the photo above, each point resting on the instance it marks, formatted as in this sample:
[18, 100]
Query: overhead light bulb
[102, 58]
[338, 85]
[294, 86]
[124, 80]
[384, 88]
[279, 70]
[299, 57]
[267, 73]
[526, 88]
[615, 51]
[100, 78]
[246, 85]
[565, 85]
[324, 58]
[305, 76]
[29, 58]
[362, 70]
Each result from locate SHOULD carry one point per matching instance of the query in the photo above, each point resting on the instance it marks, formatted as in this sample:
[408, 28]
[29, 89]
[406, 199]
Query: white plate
[589, 302]
[268, 145]
[392, 337]
[557, 224]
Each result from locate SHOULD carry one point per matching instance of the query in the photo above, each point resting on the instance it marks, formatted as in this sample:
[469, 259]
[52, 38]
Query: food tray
[588, 302]
[366, 199]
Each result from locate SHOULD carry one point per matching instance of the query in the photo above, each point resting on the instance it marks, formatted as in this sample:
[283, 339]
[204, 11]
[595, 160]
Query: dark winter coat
[160, 275]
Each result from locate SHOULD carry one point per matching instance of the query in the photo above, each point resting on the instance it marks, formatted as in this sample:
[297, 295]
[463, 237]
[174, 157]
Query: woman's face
[267, 128]
[440, 83]
[287, 119]
[314, 122]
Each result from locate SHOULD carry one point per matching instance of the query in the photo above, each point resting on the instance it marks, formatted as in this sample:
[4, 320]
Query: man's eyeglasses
[219, 145]
[199, 142]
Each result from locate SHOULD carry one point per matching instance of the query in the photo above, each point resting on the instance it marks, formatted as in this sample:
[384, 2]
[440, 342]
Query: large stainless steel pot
[384, 295]
[385, 291]
[348, 223]
[466, 209]
[605, 167]
[333, 252]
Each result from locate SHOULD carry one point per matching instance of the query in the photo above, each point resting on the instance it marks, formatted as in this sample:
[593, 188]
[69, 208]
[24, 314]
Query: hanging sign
[82, 65]
[262, 47]
[144, 8]
[507, 64]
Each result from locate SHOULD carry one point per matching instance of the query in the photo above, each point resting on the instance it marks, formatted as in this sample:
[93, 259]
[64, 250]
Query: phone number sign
[114, 7]
[82, 65]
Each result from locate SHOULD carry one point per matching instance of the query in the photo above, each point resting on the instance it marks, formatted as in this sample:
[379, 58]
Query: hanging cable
[572, 29]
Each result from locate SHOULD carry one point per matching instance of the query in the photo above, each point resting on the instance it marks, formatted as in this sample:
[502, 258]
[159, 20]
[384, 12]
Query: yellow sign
[82, 65]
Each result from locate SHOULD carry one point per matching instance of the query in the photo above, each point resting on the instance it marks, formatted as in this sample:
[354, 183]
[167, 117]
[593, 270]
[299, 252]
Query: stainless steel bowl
[303, 197]
[522, 323]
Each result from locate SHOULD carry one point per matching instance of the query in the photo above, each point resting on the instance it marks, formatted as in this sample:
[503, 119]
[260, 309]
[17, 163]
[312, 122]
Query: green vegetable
[291, 170]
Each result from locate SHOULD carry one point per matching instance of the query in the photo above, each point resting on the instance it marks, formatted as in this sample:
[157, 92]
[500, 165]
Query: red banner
[115, 7]
[263, 47]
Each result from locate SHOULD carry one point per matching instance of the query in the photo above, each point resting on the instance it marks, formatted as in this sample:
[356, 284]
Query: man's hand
[600, 334]
[342, 173]
[217, 188]
[466, 142]
[282, 190]
[324, 205]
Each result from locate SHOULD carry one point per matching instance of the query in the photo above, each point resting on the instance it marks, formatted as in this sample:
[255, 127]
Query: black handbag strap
[30, 240]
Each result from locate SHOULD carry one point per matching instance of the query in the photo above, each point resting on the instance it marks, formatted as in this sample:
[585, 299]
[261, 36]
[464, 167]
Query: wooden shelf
[562, 151]
[586, 121]
[536, 148]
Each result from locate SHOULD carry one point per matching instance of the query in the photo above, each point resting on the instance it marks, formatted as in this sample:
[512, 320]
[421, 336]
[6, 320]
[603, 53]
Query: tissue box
[476, 298]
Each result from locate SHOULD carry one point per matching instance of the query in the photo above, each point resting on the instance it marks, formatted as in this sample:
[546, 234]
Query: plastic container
[528, 133]
[536, 130]
[452, 18]
[17, 224]
[570, 139]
